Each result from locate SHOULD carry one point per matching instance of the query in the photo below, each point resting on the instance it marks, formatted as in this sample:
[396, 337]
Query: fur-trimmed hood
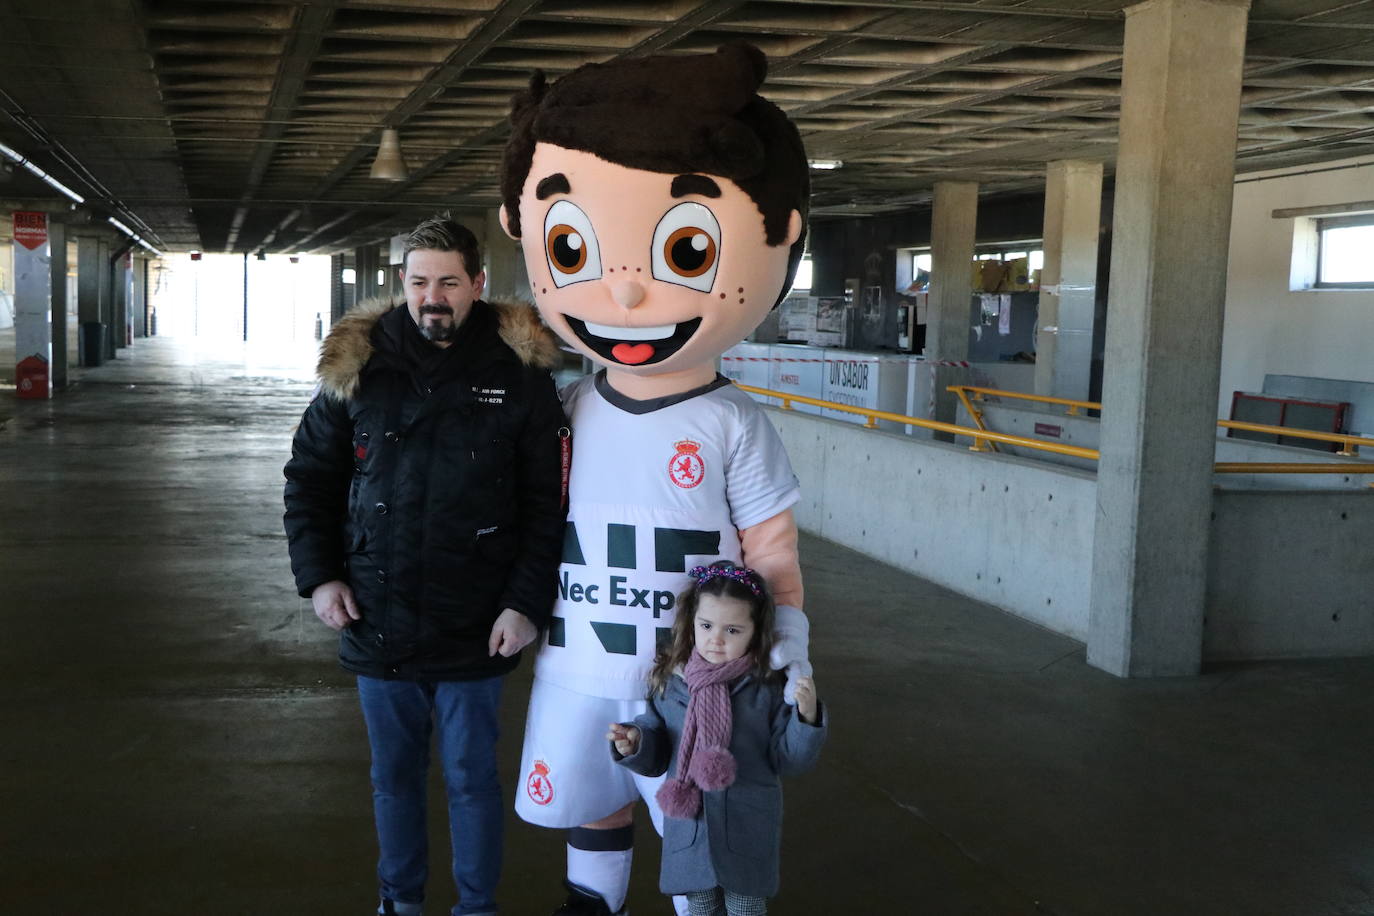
[349, 344]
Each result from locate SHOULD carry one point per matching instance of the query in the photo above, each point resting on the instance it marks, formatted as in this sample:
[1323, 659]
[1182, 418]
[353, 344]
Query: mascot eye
[570, 245]
[687, 247]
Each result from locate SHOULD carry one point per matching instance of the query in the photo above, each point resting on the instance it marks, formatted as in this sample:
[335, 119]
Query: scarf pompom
[679, 799]
[713, 768]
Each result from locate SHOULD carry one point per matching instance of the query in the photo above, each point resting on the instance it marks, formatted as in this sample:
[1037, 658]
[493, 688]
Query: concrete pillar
[395, 267]
[87, 279]
[1068, 281]
[954, 224]
[88, 283]
[1180, 105]
[106, 288]
[57, 252]
[32, 305]
[366, 262]
[138, 304]
[505, 265]
[338, 296]
[120, 288]
[243, 315]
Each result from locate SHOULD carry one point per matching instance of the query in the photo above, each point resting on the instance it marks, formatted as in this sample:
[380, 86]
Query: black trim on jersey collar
[630, 405]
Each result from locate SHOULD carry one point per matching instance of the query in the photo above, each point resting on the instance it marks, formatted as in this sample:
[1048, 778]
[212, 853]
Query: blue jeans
[400, 716]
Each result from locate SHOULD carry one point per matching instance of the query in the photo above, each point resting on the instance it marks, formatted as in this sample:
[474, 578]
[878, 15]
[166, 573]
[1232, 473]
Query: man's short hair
[442, 232]
[676, 114]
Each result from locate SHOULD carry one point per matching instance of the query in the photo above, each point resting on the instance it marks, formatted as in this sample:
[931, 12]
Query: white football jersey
[657, 487]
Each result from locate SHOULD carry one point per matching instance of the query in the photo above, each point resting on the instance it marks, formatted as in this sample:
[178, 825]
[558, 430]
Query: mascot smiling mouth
[633, 346]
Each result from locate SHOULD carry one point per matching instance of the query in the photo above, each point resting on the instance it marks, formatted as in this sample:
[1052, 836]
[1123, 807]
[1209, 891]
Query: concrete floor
[178, 739]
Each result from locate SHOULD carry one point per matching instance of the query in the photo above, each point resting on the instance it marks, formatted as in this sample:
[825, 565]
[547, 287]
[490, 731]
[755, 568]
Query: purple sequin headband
[744, 574]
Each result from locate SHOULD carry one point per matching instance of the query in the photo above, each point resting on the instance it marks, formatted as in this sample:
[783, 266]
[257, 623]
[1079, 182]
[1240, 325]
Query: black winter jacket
[432, 486]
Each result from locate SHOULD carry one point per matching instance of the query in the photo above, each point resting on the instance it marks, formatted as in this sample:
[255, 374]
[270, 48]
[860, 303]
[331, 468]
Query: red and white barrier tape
[957, 363]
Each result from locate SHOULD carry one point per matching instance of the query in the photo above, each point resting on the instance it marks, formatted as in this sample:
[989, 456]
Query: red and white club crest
[685, 468]
[538, 785]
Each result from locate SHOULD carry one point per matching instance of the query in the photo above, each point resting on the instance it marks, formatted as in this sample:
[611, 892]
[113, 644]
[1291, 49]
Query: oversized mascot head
[662, 206]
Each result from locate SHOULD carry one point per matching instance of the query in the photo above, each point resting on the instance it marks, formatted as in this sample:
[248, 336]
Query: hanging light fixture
[389, 166]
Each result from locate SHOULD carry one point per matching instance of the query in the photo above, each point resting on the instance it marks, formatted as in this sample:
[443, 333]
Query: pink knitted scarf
[704, 760]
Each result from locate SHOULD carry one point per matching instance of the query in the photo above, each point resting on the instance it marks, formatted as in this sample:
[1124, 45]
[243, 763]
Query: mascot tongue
[632, 354]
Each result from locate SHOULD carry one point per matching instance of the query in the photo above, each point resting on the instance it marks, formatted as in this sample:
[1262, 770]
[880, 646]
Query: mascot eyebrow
[557, 183]
[683, 185]
[694, 184]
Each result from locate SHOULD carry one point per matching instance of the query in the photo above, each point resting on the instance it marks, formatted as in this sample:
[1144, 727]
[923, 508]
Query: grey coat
[734, 843]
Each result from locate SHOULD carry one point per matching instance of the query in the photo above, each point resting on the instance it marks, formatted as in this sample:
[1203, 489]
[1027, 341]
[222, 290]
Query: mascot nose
[627, 293]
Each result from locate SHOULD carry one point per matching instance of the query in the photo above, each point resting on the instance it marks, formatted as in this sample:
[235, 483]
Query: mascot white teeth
[661, 203]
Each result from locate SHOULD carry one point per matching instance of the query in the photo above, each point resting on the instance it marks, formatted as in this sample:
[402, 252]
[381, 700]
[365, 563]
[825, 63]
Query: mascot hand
[790, 647]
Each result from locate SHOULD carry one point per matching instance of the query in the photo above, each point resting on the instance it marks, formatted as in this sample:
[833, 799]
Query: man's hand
[512, 632]
[334, 605]
[624, 737]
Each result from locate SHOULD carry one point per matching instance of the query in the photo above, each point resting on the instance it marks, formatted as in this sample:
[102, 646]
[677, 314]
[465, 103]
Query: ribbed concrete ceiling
[215, 123]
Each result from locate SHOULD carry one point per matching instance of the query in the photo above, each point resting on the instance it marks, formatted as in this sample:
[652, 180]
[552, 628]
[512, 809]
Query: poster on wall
[831, 314]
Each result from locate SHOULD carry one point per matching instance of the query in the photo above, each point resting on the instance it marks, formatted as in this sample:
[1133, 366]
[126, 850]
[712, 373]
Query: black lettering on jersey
[620, 546]
[672, 547]
[572, 547]
[616, 638]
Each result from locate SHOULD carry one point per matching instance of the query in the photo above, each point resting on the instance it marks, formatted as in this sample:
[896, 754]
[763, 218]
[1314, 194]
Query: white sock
[604, 872]
[680, 905]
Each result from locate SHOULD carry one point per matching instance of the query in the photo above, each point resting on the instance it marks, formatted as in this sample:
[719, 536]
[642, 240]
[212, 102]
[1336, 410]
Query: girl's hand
[806, 700]
[624, 737]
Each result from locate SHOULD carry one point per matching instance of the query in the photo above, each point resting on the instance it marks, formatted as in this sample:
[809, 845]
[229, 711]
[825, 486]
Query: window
[921, 259]
[348, 275]
[803, 280]
[1333, 246]
[1345, 251]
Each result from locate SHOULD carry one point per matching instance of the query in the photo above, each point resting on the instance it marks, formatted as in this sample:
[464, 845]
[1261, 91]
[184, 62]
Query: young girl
[718, 724]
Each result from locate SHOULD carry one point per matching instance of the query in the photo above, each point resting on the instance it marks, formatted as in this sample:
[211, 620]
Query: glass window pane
[1347, 255]
[803, 280]
[922, 262]
[1037, 260]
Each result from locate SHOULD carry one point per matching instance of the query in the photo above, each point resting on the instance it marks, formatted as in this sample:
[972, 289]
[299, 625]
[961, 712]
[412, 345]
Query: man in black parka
[425, 523]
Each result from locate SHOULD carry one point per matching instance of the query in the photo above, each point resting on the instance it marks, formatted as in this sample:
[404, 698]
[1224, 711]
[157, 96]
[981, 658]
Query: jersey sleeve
[759, 482]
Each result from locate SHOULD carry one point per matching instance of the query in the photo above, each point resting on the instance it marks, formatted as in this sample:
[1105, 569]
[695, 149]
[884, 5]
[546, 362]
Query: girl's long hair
[675, 652]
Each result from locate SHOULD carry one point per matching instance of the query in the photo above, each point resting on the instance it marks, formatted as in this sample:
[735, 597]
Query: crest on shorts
[685, 468]
[538, 785]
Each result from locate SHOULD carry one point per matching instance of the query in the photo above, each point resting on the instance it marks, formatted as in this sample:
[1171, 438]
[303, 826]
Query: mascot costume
[661, 204]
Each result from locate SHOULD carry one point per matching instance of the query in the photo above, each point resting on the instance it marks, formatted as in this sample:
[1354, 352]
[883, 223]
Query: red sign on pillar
[31, 229]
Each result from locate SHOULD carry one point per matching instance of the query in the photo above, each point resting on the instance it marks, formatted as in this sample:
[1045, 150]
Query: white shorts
[567, 775]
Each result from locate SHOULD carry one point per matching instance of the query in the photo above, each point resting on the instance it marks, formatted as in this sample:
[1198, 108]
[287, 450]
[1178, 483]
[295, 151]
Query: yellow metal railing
[873, 416]
[982, 434]
[1349, 444]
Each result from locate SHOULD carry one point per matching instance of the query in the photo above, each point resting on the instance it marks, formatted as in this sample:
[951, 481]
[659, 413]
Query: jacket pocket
[496, 543]
[679, 834]
[753, 818]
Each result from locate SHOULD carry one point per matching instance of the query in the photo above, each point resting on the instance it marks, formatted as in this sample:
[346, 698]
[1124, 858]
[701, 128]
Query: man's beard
[437, 333]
